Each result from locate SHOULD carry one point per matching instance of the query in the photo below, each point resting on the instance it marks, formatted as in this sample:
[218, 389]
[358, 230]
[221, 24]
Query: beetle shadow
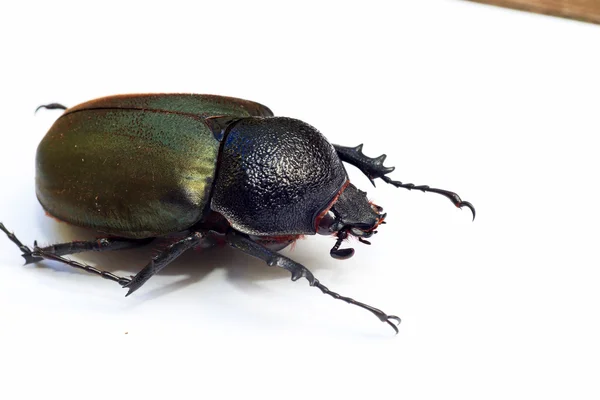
[242, 270]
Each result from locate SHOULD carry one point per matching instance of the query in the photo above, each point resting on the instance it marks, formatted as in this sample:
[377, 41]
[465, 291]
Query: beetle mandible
[217, 170]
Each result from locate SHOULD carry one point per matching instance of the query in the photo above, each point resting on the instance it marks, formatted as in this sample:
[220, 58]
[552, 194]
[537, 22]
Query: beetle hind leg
[67, 248]
[373, 168]
[57, 251]
[100, 244]
[40, 253]
[27, 253]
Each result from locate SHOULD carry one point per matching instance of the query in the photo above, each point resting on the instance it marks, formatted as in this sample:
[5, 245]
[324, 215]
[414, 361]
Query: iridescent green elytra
[134, 166]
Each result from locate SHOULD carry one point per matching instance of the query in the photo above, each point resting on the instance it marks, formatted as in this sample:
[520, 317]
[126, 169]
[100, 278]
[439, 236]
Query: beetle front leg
[298, 271]
[373, 168]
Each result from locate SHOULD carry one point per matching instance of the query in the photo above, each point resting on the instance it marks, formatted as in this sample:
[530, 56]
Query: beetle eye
[325, 224]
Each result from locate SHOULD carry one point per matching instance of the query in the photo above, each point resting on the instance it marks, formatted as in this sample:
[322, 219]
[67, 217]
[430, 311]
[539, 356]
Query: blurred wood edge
[581, 10]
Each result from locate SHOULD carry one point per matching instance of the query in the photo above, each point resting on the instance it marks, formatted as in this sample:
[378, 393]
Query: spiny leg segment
[27, 254]
[373, 168]
[163, 259]
[157, 263]
[206, 239]
[57, 251]
[100, 244]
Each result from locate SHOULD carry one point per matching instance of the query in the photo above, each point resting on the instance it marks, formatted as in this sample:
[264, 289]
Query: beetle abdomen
[126, 172]
[275, 176]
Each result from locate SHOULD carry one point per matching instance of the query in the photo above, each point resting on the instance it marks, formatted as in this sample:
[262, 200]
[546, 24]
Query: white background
[497, 105]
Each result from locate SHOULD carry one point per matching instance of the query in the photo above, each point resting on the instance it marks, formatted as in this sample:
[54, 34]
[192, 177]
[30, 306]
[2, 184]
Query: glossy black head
[351, 215]
[275, 176]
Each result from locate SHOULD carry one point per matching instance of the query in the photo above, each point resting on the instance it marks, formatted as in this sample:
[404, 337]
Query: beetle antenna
[51, 106]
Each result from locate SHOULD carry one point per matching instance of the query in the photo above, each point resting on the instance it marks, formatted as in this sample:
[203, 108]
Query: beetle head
[351, 215]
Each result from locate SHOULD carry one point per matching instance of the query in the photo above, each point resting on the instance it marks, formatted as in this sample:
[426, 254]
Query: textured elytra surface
[275, 176]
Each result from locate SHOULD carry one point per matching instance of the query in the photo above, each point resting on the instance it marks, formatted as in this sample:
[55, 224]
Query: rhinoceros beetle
[216, 170]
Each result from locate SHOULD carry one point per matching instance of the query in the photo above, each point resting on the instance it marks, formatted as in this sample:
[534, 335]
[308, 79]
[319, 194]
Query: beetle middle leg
[298, 271]
[195, 239]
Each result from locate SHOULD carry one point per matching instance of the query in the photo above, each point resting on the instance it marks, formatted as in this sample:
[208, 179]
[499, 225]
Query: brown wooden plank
[582, 10]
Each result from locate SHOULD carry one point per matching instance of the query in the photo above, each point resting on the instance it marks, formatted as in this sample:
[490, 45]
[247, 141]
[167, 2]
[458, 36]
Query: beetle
[214, 170]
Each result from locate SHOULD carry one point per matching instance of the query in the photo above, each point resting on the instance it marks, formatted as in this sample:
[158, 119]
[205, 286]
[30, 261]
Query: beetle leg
[298, 271]
[51, 106]
[453, 197]
[57, 251]
[165, 258]
[100, 244]
[63, 249]
[373, 168]
[39, 253]
[26, 250]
